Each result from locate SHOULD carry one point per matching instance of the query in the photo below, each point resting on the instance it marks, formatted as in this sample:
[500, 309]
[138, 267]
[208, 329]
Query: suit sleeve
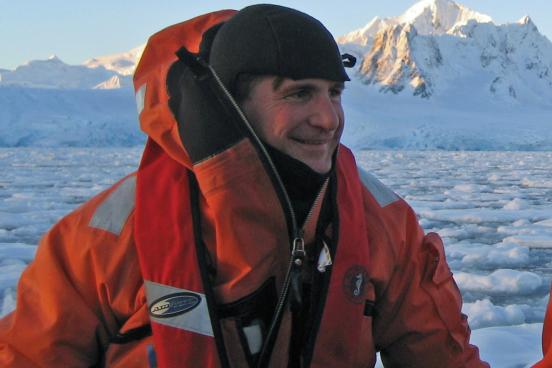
[80, 290]
[56, 323]
[420, 323]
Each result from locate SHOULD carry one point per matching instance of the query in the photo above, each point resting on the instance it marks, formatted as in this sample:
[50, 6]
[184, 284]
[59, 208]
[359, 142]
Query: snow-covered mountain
[51, 103]
[427, 16]
[437, 46]
[54, 73]
[103, 72]
[442, 76]
[122, 63]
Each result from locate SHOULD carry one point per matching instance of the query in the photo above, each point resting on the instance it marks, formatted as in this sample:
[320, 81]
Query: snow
[53, 73]
[444, 77]
[500, 282]
[466, 106]
[509, 347]
[504, 64]
[483, 313]
[60, 117]
[465, 254]
[462, 119]
[364, 36]
[504, 281]
[122, 63]
[439, 16]
[427, 16]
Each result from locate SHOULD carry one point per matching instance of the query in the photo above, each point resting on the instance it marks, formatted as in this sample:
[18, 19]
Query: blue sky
[78, 30]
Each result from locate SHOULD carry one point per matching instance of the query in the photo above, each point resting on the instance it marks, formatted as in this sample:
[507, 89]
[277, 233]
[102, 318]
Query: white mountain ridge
[122, 63]
[427, 16]
[103, 72]
[437, 45]
[54, 73]
[46, 103]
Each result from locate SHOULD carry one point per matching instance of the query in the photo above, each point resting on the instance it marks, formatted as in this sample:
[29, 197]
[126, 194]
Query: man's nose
[325, 113]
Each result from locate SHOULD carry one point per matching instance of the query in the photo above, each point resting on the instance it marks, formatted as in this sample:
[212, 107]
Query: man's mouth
[311, 142]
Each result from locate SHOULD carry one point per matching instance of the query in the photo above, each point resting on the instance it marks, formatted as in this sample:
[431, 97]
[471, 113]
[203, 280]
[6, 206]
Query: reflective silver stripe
[112, 214]
[195, 320]
[140, 98]
[383, 195]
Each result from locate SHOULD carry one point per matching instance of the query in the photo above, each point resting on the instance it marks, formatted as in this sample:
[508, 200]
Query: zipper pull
[298, 252]
[298, 255]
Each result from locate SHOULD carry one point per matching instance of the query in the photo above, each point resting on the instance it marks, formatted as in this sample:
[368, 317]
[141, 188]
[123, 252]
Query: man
[246, 238]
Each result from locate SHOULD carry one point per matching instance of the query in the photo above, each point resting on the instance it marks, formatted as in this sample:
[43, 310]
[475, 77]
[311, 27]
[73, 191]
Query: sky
[79, 30]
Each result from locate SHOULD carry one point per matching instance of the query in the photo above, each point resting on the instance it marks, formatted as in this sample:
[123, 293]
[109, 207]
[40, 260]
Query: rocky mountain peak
[439, 16]
[427, 16]
[437, 45]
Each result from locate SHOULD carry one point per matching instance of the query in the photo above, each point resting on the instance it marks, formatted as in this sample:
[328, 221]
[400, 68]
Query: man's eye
[336, 92]
[301, 94]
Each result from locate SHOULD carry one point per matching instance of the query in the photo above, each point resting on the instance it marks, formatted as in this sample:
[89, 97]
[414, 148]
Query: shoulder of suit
[383, 195]
[113, 210]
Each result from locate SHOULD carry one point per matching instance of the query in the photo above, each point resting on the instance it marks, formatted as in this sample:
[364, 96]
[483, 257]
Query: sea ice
[500, 282]
[493, 209]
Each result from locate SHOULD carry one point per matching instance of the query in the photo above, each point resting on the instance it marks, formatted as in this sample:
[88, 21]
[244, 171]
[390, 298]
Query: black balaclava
[275, 40]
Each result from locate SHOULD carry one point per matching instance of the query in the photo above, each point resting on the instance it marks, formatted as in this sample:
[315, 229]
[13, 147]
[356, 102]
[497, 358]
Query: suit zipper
[298, 251]
[296, 262]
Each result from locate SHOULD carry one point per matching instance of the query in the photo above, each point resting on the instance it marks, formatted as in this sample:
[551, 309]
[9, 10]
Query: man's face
[302, 118]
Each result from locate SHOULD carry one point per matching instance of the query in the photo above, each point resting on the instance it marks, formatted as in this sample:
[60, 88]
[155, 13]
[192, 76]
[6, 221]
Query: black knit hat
[275, 40]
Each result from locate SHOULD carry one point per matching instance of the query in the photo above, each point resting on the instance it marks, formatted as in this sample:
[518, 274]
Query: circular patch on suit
[354, 284]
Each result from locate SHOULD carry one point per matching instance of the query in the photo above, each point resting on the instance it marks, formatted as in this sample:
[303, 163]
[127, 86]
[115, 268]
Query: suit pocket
[245, 323]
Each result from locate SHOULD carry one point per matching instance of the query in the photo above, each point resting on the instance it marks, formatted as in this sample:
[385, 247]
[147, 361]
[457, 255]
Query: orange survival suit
[546, 361]
[149, 272]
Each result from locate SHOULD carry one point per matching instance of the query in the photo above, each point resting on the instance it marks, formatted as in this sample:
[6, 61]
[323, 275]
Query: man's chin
[316, 157]
[320, 162]
[319, 167]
